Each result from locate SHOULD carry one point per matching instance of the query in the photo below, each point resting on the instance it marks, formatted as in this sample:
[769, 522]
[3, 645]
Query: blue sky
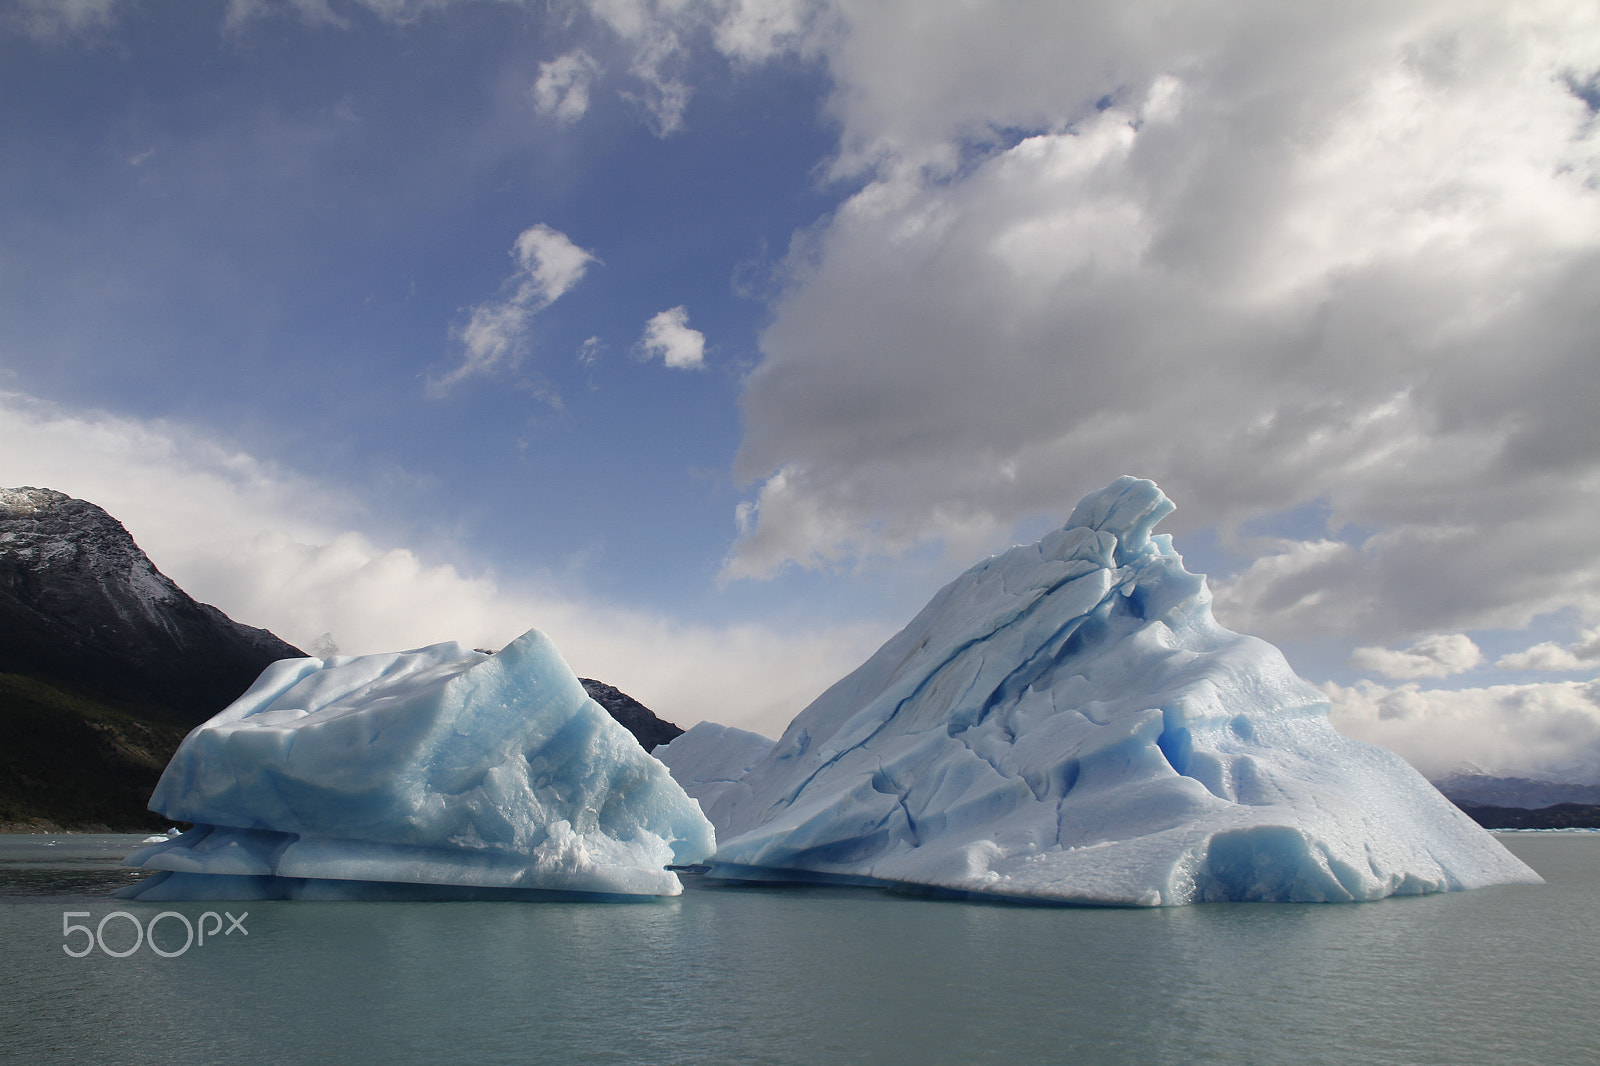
[274, 232]
[345, 308]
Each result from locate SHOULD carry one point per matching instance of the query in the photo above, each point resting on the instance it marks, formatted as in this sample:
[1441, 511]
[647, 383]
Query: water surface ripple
[1500, 976]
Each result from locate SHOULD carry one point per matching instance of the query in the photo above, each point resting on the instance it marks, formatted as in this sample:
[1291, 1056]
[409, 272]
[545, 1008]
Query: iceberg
[1067, 722]
[707, 759]
[437, 773]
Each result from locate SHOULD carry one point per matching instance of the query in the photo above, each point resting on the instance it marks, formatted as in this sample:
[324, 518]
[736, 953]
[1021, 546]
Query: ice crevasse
[1067, 722]
[438, 773]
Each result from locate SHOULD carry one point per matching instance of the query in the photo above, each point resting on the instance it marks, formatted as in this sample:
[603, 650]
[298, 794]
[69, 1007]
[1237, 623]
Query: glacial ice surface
[710, 757]
[439, 773]
[1067, 722]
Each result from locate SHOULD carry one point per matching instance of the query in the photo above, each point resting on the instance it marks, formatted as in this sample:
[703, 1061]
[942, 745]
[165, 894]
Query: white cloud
[1289, 589]
[1583, 654]
[562, 89]
[1422, 574]
[274, 549]
[652, 30]
[1545, 731]
[589, 352]
[754, 30]
[1440, 655]
[664, 98]
[1318, 254]
[1338, 256]
[551, 264]
[51, 18]
[668, 335]
[548, 265]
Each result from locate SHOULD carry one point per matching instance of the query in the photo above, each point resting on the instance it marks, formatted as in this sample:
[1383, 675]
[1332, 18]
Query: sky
[712, 337]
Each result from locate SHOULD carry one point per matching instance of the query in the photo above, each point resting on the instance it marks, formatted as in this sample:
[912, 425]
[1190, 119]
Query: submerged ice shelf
[439, 773]
[1068, 722]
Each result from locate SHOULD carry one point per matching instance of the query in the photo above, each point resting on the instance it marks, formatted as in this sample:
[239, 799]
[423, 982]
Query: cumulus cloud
[1345, 257]
[1545, 731]
[668, 335]
[562, 89]
[652, 31]
[662, 97]
[754, 30]
[1440, 655]
[1583, 654]
[548, 265]
[274, 549]
[551, 264]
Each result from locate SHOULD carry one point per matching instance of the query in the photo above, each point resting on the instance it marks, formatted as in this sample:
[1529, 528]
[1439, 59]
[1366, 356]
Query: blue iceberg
[1067, 722]
[439, 773]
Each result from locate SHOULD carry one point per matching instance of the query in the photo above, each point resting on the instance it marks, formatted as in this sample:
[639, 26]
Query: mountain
[1485, 790]
[1555, 816]
[83, 607]
[634, 716]
[105, 664]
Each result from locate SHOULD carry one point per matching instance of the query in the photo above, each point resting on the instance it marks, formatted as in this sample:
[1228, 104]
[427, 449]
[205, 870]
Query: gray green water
[812, 975]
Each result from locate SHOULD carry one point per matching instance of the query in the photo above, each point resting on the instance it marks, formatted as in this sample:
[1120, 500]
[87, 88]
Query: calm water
[1498, 976]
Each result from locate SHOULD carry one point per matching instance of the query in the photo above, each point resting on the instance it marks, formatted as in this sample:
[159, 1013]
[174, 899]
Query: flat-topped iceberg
[1067, 722]
[439, 773]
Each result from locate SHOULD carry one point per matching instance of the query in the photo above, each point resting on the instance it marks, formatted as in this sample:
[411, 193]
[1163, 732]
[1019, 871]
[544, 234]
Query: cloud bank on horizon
[1325, 274]
[285, 553]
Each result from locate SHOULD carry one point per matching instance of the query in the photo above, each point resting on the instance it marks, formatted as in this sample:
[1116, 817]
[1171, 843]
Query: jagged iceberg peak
[1067, 721]
[434, 773]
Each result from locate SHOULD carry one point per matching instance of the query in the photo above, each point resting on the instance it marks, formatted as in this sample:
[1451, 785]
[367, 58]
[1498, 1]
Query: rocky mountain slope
[82, 607]
[105, 665]
[634, 716]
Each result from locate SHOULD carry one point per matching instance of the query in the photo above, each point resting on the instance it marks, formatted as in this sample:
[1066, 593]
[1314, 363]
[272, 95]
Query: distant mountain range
[106, 664]
[1485, 790]
[1521, 803]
